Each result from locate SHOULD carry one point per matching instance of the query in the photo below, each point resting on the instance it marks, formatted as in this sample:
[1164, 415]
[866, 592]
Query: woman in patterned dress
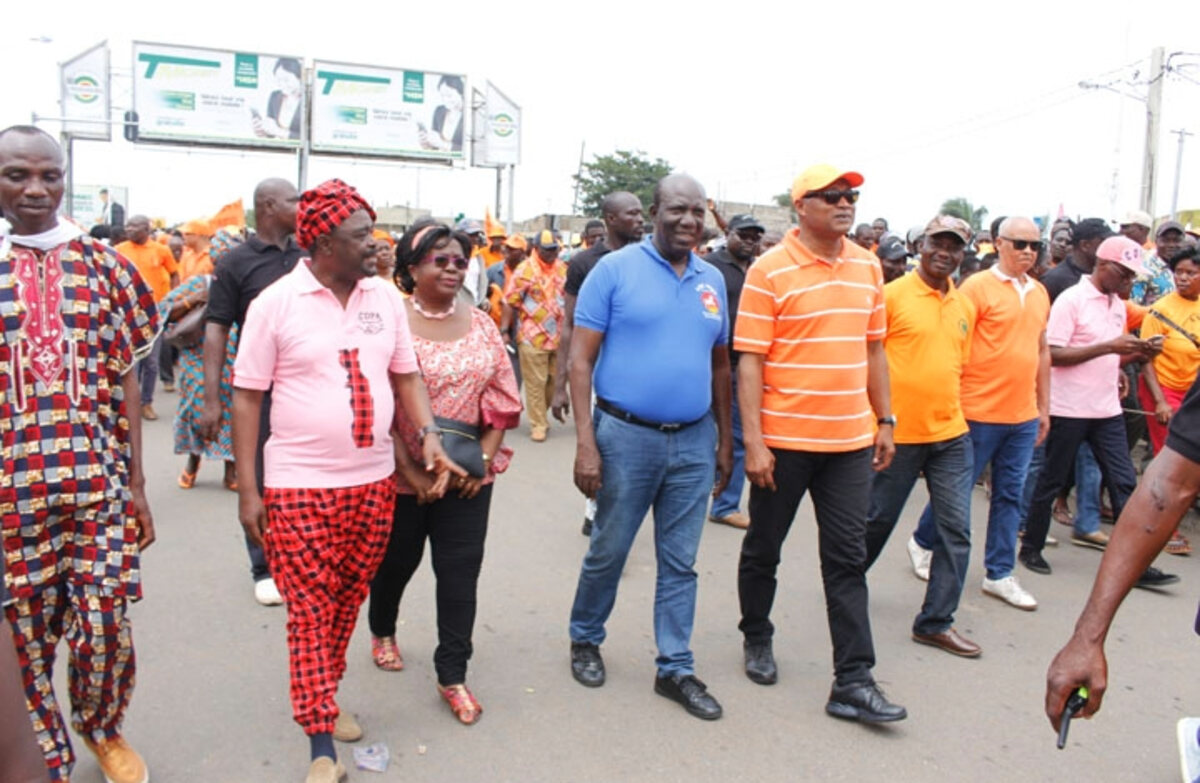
[470, 380]
[190, 294]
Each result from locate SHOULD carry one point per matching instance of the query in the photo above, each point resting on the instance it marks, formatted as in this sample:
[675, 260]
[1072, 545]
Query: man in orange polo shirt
[1005, 397]
[816, 415]
[928, 336]
[156, 265]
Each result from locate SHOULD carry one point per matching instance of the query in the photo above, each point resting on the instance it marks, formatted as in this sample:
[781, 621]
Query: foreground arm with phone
[1166, 491]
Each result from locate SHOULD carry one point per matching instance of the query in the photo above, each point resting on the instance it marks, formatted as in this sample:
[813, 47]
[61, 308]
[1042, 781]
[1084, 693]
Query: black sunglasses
[1035, 245]
[833, 197]
[441, 262]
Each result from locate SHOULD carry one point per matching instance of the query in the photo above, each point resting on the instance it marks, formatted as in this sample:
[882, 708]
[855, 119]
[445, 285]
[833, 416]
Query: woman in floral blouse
[471, 385]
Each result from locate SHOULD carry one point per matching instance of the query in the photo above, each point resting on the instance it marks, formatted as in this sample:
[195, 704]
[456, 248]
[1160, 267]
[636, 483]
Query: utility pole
[578, 174]
[1153, 118]
[1182, 134]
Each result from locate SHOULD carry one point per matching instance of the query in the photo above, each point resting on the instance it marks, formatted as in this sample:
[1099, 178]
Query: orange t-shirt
[192, 263]
[154, 263]
[999, 383]
[928, 342]
[812, 318]
[488, 257]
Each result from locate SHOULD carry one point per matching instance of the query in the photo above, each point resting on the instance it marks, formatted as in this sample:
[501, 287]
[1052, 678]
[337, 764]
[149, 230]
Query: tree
[960, 207]
[784, 199]
[623, 170]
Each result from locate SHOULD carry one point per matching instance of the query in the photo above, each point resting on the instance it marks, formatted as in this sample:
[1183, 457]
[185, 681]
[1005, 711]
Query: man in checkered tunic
[73, 514]
[331, 341]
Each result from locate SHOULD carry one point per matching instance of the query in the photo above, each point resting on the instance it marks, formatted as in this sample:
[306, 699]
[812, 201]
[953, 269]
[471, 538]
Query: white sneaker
[920, 558]
[266, 593]
[1009, 591]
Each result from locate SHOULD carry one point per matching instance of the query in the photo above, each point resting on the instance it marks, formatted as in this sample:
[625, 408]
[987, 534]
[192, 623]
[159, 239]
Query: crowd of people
[835, 361]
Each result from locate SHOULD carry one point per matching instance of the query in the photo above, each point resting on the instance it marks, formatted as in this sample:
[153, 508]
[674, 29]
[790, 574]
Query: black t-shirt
[582, 263]
[1183, 436]
[243, 274]
[735, 278]
[1061, 277]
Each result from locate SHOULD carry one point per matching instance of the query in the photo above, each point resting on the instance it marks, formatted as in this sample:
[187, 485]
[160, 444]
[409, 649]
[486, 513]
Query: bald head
[679, 210]
[676, 183]
[623, 220]
[1014, 262]
[275, 203]
[31, 179]
[137, 229]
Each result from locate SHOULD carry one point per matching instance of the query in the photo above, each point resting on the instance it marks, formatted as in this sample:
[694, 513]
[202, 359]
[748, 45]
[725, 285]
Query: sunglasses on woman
[441, 262]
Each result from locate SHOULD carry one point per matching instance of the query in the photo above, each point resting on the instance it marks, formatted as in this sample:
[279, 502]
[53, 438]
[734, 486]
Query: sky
[928, 100]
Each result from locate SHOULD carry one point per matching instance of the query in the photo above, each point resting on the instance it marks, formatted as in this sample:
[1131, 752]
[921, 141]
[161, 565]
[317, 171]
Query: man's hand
[724, 468]
[1122, 385]
[1079, 663]
[1163, 412]
[885, 449]
[145, 521]
[560, 403]
[421, 482]
[1127, 344]
[760, 465]
[209, 423]
[252, 513]
[587, 470]
[1043, 428]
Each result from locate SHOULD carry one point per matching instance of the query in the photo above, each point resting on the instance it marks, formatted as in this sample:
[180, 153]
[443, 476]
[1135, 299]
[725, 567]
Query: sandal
[187, 480]
[1062, 514]
[1178, 545]
[386, 653]
[231, 484]
[462, 703]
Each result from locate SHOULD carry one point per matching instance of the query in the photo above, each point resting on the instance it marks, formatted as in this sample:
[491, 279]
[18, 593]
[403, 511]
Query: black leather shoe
[863, 702]
[760, 662]
[1152, 577]
[691, 693]
[1033, 560]
[587, 667]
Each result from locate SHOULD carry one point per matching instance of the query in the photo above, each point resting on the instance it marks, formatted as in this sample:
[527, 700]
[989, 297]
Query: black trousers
[840, 484]
[456, 529]
[1110, 445]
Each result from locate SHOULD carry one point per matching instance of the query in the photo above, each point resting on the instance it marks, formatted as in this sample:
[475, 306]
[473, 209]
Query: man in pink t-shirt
[1088, 344]
[331, 342]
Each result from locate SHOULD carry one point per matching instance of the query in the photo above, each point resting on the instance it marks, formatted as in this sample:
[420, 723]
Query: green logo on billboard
[503, 125]
[414, 87]
[245, 71]
[352, 115]
[84, 89]
[180, 101]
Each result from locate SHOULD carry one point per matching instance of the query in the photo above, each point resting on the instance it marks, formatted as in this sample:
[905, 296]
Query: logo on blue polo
[710, 301]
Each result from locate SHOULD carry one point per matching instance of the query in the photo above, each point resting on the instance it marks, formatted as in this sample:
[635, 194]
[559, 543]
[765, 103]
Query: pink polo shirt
[327, 368]
[1079, 317]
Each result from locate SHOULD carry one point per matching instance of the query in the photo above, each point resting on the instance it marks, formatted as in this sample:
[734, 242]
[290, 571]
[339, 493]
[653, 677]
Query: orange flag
[232, 214]
[491, 226]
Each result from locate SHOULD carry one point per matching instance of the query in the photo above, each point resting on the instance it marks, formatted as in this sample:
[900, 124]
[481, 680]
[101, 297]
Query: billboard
[211, 96]
[501, 135]
[86, 207]
[85, 94]
[384, 111]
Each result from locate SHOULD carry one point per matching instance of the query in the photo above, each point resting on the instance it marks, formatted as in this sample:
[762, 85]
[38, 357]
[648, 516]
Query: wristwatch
[886, 420]
[430, 429]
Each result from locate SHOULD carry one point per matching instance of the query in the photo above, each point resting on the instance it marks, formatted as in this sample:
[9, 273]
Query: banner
[502, 138]
[85, 94]
[383, 111]
[212, 96]
[86, 206]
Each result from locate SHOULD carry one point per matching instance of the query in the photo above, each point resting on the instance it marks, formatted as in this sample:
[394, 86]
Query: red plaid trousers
[324, 546]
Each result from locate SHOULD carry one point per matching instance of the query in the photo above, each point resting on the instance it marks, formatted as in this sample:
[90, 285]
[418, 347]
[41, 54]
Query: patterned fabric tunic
[191, 382]
[75, 319]
[535, 291]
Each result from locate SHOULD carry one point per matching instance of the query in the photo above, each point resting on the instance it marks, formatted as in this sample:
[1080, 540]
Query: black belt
[626, 416]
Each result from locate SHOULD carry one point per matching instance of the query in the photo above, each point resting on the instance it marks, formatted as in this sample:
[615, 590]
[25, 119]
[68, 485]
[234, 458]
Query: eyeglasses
[833, 197]
[1035, 245]
[441, 262]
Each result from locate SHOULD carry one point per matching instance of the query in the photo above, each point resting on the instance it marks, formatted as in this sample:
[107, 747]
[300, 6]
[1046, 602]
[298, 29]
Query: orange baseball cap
[200, 227]
[820, 176]
[517, 241]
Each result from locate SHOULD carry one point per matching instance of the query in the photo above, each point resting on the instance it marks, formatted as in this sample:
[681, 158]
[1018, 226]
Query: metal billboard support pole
[512, 170]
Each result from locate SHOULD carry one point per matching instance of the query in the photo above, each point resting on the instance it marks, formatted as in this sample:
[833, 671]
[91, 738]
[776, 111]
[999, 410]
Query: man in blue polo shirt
[655, 315]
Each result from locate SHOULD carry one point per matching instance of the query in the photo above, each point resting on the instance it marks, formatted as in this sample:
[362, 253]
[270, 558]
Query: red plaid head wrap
[323, 209]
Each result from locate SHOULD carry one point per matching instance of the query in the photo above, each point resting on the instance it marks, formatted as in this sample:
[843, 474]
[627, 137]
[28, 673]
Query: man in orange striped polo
[816, 416]
[928, 337]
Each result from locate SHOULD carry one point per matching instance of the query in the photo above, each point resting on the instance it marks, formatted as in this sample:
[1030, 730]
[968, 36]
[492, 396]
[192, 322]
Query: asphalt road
[212, 696]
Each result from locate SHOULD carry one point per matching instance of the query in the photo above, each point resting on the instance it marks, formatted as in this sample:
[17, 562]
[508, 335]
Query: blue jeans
[1009, 448]
[948, 467]
[1087, 488]
[727, 502]
[147, 370]
[642, 469]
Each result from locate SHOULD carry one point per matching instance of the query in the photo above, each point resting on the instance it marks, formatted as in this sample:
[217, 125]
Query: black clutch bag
[461, 443]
